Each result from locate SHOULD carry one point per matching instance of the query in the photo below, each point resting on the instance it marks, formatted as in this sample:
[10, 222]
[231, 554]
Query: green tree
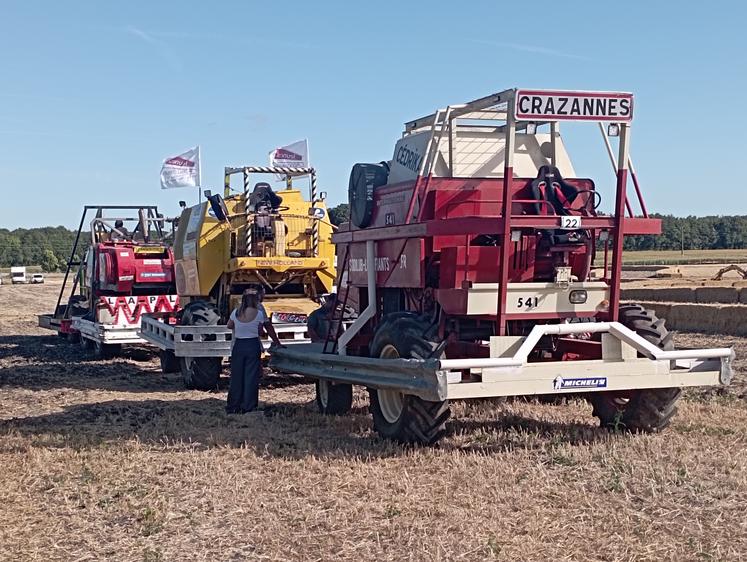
[49, 261]
[339, 214]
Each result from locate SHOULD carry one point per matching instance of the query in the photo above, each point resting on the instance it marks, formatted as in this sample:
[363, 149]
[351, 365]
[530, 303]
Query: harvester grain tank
[279, 241]
[468, 260]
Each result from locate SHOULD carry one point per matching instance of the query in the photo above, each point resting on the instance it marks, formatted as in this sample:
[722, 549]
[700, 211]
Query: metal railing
[279, 235]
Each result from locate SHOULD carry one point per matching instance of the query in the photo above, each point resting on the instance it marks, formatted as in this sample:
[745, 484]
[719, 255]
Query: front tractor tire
[639, 411]
[169, 361]
[403, 417]
[102, 351]
[200, 373]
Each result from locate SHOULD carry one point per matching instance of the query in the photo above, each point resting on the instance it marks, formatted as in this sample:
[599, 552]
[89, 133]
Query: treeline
[694, 233]
[48, 247]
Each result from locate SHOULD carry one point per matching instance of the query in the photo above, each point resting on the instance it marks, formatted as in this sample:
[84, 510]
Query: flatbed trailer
[206, 341]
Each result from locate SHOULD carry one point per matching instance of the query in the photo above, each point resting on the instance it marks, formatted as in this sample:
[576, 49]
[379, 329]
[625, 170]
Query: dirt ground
[113, 460]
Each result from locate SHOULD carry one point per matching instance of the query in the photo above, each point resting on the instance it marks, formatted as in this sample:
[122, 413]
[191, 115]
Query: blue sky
[95, 94]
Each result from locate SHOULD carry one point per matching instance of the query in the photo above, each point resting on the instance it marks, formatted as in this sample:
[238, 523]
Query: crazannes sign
[545, 105]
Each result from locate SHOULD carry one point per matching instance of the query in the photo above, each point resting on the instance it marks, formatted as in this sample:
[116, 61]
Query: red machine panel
[123, 265]
[399, 263]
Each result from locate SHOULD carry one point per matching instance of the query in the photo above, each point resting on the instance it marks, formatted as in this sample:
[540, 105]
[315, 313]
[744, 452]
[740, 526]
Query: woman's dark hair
[249, 299]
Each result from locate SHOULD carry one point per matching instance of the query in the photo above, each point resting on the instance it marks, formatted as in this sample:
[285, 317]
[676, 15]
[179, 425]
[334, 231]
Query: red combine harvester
[470, 260]
[123, 275]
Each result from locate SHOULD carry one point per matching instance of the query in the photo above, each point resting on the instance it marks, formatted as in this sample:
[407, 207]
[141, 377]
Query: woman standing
[247, 322]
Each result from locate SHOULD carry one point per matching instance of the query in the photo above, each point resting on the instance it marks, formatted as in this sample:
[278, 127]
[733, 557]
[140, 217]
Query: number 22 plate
[570, 222]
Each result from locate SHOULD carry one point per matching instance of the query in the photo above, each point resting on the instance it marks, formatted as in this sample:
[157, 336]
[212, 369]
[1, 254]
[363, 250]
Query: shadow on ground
[292, 430]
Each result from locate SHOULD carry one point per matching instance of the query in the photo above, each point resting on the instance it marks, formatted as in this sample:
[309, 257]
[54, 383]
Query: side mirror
[218, 207]
[322, 195]
[208, 193]
[183, 204]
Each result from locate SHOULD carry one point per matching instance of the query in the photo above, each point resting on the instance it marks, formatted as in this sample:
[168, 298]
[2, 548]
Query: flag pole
[199, 174]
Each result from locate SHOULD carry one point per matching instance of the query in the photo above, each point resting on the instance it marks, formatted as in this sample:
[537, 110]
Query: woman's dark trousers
[243, 392]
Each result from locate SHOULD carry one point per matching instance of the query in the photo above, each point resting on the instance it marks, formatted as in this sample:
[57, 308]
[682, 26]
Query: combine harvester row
[175, 288]
[466, 264]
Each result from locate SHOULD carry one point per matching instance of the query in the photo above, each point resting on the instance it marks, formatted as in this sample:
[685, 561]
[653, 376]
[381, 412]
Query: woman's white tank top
[247, 330]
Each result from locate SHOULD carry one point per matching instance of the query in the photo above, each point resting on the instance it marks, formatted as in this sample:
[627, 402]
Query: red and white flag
[182, 170]
[295, 155]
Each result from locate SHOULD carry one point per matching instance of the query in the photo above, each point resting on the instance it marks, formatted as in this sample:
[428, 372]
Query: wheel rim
[391, 402]
[323, 392]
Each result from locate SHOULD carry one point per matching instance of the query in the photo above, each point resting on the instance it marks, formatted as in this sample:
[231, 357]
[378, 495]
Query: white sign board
[544, 105]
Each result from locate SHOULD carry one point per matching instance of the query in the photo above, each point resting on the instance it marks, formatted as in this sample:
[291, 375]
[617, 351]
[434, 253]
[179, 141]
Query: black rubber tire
[364, 179]
[74, 337]
[106, 350]
[639, 411]
[420, 422]
[169, 361]
[200, 373]
[86, 345]
[336, 401]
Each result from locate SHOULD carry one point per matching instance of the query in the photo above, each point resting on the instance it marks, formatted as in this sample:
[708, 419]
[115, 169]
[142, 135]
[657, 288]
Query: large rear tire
[644, 411]
[403, 417]
[200, 373]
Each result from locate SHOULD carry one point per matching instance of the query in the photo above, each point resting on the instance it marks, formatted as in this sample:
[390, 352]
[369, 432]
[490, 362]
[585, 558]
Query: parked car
[37, 278]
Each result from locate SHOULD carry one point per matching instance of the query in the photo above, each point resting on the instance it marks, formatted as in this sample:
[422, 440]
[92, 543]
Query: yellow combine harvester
[279, 241]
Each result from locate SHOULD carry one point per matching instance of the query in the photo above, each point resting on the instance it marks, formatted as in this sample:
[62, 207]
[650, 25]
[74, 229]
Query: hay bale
[725, 295]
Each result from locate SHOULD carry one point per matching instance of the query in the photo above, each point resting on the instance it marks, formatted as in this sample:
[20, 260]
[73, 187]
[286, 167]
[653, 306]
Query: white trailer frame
[106, 334]
[193, 341]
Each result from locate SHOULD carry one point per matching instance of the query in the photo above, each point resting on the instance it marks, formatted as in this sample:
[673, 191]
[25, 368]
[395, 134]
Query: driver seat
[550, 186]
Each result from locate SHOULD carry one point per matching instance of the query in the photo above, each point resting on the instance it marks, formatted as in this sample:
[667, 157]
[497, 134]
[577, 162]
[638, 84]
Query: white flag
[295, 155]
[182, 170]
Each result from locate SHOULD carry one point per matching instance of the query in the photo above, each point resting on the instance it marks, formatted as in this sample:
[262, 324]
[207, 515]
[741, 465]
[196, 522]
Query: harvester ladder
[431, 156]
[338, 315]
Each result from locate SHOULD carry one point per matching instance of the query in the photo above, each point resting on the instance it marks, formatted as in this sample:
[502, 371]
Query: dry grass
[690, 256]
[112, 460]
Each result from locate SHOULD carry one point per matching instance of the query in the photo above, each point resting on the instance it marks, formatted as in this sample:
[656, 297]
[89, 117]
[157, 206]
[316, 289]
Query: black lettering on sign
[563, 103]
[550, 106]
[588, 106]
[523, 108]
[576, 107]
[624, 107]
[612, 107]
[536, 105]
[601, 108]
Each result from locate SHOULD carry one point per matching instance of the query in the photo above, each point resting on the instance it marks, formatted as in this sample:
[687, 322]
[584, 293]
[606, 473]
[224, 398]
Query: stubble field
[114, 460]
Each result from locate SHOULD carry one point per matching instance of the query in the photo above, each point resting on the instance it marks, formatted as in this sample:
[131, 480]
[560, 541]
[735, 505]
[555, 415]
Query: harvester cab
[470, 253]
[280, 241]
[126, 270]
